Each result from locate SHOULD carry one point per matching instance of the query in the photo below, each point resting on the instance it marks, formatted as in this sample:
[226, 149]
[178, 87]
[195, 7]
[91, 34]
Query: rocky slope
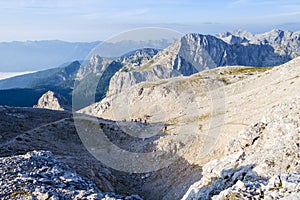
[211, 106]
[28, 129]
[200, 114]
[39, 175]
[262, 162]
[53, 101]
[194, 53]
[189, 120]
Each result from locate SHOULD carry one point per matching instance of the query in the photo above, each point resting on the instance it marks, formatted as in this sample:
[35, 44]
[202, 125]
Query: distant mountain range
[25, 90]
[197, 52]
[38, 55]
[6, 75]
[188, 55]
[285, 43]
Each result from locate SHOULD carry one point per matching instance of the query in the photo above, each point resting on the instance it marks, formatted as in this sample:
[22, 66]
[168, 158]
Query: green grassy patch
[245, 70]
[197, 118]
[232, 196]
[23, 194]
[146, 66]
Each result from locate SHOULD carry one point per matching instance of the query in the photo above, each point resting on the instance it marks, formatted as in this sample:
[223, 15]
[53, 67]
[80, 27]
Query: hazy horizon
[98, 20]
[87, 41]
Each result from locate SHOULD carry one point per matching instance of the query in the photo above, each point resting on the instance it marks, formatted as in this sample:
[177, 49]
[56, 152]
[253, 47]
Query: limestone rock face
[95, 65]
[262, 162]
[53, 101]
[194, 53]
[39, 175]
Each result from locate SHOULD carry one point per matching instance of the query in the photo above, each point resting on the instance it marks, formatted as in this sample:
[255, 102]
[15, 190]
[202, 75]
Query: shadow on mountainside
[18, 120]
[61, 138]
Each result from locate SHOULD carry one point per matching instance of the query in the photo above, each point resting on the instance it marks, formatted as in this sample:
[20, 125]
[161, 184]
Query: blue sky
[90, 20]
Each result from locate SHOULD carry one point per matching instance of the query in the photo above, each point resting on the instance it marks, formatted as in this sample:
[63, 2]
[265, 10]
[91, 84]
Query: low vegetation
[197, 118]
[246, 70]
[146, 67]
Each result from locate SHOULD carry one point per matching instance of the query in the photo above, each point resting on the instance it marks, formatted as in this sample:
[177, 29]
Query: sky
[93, 20]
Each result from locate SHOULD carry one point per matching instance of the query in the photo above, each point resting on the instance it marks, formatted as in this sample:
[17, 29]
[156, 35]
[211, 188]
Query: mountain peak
[53, 101]
[276, 31]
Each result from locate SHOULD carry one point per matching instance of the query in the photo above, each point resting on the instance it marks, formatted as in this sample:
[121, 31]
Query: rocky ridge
[39, 175]
[95, 65]
[285, 43]
[262, 162]
[194, 53]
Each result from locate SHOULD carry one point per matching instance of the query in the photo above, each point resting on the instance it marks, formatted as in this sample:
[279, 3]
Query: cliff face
[194, 53]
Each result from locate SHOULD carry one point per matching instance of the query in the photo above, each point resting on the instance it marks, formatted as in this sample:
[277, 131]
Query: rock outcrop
[39, 175]
[262, 162]
[53, 101]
